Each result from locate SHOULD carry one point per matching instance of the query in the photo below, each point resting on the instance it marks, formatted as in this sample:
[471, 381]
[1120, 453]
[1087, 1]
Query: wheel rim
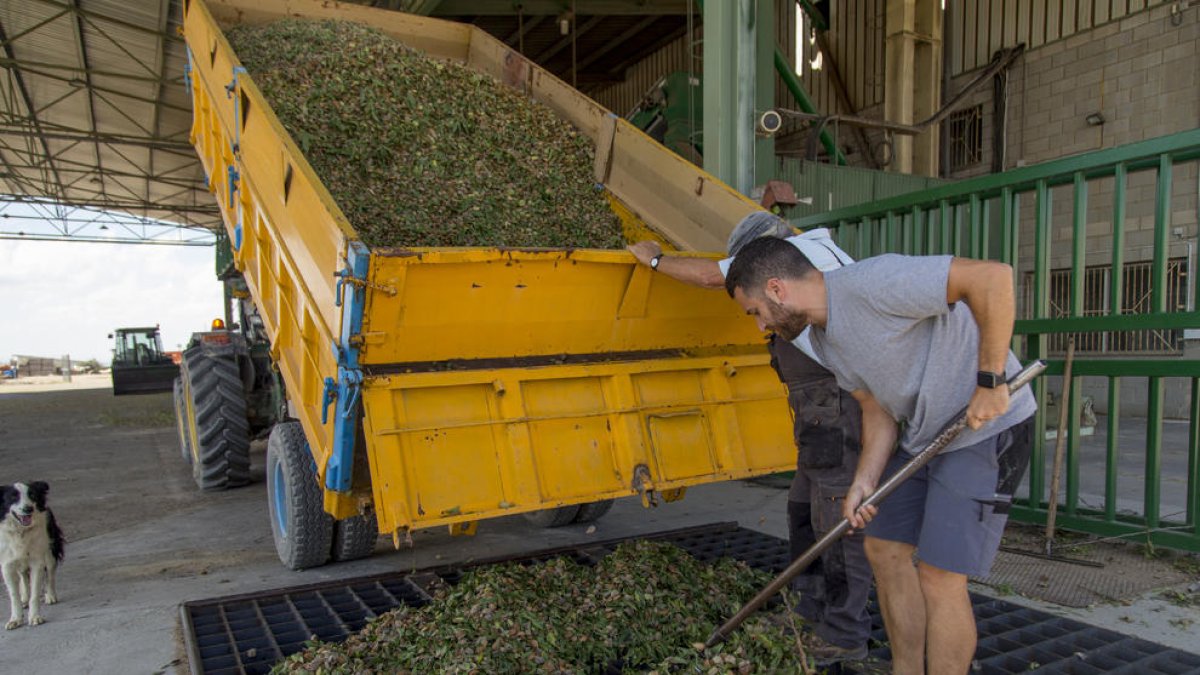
[280, 498]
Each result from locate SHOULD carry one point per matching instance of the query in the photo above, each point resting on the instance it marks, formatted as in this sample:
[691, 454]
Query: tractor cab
[139, 365]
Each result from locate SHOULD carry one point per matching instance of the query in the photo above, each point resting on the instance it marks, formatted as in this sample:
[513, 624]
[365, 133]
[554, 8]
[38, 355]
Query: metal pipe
[797, 90]
[943, 439]
[913, 129]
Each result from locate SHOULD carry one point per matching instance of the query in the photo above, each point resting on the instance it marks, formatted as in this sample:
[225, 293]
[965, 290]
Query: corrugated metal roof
[94, 111]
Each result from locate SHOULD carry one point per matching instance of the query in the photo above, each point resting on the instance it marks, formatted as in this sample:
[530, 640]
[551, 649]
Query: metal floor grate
[249, 633]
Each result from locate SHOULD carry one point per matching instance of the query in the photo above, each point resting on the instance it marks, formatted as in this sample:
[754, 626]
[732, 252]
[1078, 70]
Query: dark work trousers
[827, 428]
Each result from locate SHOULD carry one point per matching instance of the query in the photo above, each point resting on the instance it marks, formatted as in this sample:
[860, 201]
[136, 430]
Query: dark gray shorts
[947, 509]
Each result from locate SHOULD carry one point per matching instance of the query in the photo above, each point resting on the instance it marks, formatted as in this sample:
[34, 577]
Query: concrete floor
[142, 539]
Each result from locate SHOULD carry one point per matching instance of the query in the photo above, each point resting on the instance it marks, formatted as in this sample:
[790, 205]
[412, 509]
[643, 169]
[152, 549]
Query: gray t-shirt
[890, 331]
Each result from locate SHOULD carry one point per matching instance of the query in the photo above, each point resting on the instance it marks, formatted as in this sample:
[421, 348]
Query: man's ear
[775, 290]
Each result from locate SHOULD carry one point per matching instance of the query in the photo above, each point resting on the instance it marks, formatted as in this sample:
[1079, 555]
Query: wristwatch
[989, 380]
[654, 261]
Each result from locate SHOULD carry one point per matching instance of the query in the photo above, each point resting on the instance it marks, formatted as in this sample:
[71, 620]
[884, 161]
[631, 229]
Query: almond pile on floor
[645, 608]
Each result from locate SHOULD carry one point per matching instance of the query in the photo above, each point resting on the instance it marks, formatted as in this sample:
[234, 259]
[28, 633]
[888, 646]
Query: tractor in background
[139, 364]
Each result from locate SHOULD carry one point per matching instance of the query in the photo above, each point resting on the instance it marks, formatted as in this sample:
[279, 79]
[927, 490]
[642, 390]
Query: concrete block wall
[1142, 73]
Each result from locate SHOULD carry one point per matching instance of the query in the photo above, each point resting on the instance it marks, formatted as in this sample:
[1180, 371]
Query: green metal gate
[1106, 217]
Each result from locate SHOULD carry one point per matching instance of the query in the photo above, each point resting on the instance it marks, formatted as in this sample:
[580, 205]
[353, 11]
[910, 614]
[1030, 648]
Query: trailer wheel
[181, 421]
[563, 515]
[354, 538]
[303, 532]
[221, 447]
[593, 511]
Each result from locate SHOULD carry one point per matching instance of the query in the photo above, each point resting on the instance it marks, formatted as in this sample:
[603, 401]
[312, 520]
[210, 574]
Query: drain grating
[249, 633]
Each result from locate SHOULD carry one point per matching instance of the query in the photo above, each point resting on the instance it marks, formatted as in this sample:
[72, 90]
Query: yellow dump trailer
[447, 386]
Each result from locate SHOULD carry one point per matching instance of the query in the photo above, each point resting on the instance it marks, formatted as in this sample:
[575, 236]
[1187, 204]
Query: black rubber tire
[302, 531]
[563, 515]
[354, 538]
[181, 421]
[222, 430]
[593, 511]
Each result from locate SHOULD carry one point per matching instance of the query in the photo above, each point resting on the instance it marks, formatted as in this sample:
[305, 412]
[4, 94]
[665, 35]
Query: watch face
[988, 380]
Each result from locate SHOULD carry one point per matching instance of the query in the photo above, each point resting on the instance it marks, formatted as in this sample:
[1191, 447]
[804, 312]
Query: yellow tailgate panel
[451, 447]
[434, 305]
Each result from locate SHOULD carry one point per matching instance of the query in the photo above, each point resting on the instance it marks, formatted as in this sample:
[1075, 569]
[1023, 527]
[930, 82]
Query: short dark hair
[763, 259]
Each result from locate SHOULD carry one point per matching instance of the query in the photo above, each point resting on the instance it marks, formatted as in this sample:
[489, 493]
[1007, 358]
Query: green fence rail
[1071, 229]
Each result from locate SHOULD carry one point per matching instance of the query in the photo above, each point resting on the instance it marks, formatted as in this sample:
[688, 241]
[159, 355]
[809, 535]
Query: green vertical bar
[917, 215]
[1037, 343]
[1037, 457]
[931, 233]
[1154, 424]
[957, 229]
[1041, 269]
[947, 225]
[1078, 244]
[975, 224]
[1193, 480]
[908, 230]
[1116, 275]
[864, 238]
[891, 233]
[1076, 405]
[1113, 448]
[1016, 228]
[1008, 234]
[985, 231]
[1162, 233]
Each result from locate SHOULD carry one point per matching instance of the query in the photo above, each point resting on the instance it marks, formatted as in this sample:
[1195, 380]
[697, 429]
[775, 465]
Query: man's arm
[987, 288]
[702, 272]
[879, 434]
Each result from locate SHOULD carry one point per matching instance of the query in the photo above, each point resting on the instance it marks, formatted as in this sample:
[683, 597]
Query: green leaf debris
[646, 607]
[422, 152]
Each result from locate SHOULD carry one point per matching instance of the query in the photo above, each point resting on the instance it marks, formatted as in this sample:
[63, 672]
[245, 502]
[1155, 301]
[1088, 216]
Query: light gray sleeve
[910, 286]
[724, 266]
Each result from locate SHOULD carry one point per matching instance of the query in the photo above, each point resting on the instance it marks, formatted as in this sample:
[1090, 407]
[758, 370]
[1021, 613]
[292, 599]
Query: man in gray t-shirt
[915, 340]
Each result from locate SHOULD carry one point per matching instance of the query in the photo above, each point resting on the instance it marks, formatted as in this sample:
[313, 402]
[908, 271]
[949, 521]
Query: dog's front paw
[36, 621]
[50, 598]
[12, 624]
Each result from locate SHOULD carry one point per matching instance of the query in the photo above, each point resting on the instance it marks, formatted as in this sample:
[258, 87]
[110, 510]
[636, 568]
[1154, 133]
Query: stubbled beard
[787, 324]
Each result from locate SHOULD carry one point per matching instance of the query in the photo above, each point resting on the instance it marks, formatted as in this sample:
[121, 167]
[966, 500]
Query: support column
[731, 73]
[764, 90]
[913, 89]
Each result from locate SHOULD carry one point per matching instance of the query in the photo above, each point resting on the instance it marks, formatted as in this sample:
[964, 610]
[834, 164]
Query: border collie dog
[31, 546]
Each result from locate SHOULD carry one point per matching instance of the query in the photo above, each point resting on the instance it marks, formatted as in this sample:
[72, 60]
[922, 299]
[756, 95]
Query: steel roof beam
[617, 42]
[81, 45]
[89, 170]
[20, 236]
[517, 35]
[34, 27]
[555, 7]
[61, 4]
[106, 90]
[19, 79]
[562, 44]
[27, 64]
[90, 137]
[116, 205]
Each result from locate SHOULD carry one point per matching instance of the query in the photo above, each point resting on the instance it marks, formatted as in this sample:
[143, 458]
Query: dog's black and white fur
[31, 546]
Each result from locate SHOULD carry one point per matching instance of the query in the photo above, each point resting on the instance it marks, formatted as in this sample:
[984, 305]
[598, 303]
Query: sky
[61, 298]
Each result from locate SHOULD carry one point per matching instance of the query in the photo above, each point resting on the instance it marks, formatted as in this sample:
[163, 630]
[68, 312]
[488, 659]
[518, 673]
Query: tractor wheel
[594, 511]
[303, 532]
[181, 421]
[354, 538]
[563, 515]
[221, 450]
